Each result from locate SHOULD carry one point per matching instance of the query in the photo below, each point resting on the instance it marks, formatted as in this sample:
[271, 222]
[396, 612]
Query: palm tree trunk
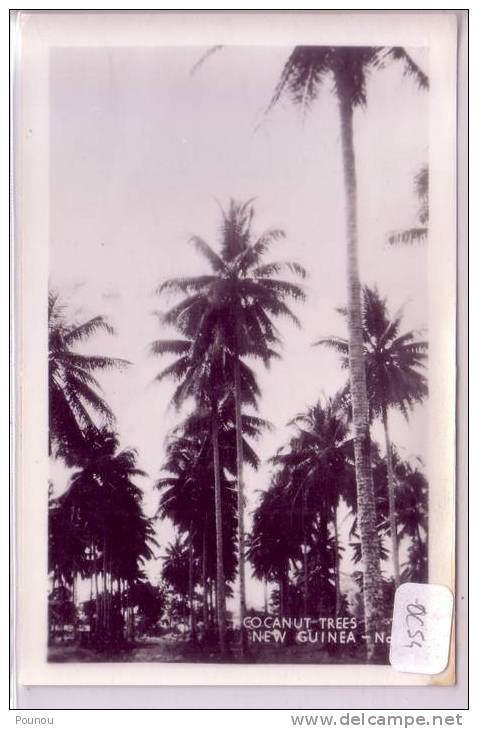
[367, 521]
[421, 561]
[305, 554]
[240, 500]
[220, 584]
[205, 616]
[266, 598]
[192, 620]
[286, 598]
[338, 595]
[75, 599]
[97, 597]
[391, 500]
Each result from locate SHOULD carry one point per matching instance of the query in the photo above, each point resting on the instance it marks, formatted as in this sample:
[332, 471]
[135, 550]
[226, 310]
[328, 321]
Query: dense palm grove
[218, 338]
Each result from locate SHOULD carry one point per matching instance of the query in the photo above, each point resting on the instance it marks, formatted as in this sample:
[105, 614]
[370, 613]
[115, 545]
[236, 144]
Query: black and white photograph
[240, 454]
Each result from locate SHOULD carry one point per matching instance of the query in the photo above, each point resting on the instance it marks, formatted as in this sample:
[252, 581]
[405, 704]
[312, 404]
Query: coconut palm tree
[393, 364]
[90, 520]
[318, 470]
[303, 78]
[205, 375]
[233, 308]
[76, 405]
[202, 378]
[187, 494]
[412, 518]
[176, 571]
[274, 543]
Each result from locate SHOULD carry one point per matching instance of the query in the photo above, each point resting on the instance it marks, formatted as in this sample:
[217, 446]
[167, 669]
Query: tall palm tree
[205, 374]
[393, 364]
[303, 77]
[233, 307]
[75, 402]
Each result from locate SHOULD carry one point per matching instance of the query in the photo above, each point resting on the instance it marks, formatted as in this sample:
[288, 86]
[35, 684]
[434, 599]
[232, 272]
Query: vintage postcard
[235, 266]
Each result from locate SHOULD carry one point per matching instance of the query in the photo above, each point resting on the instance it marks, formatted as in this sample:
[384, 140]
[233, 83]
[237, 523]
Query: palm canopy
[101, 506]
[206, 377]
[393, 360]
[308, 67]
[319, 458]
[187, 499]
[75, 402]
[275, 538]
[175, 568]
[241, 295]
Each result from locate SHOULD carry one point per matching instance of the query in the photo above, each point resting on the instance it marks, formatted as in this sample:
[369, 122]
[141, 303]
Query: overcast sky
[140, 154]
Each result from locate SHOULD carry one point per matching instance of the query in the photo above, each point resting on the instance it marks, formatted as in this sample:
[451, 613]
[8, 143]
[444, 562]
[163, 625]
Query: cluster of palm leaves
[98, 532]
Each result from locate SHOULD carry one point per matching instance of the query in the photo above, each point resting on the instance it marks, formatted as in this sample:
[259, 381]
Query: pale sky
[140, 153]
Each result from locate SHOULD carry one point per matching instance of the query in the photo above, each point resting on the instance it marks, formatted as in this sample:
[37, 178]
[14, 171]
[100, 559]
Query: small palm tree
[74, 393]
[393, 363]
[303, 79]
[233, 308]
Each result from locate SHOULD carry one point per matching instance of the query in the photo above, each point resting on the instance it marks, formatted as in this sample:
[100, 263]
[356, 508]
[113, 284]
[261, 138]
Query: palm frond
[84, 331]
[215, 260]
[410, 68]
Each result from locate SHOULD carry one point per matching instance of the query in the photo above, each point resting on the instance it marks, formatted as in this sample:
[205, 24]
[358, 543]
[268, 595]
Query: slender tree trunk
[421, 560]
[75, 614]
[212, 603]
[366, 510]
[192, 617]
[105, 591]
[266, 598]
[240, 499]
[305, 554]
[338, 595]
[97, 597]
[286, 599]
[391, 501]
[133, 627]
[220, 584]
[204, 580]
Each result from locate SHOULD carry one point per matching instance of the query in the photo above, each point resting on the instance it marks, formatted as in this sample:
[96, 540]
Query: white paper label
[421, 627]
